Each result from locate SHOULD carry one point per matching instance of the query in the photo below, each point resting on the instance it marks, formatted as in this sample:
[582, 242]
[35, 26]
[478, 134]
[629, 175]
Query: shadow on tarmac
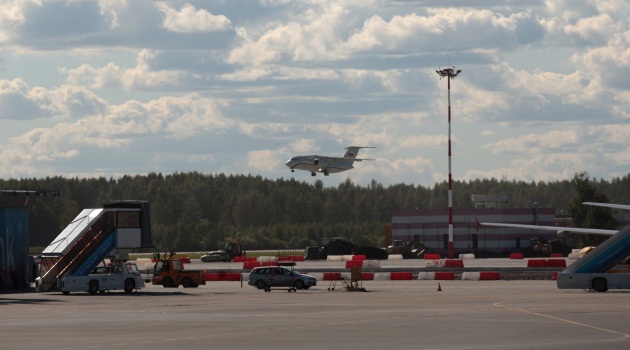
[18, 301]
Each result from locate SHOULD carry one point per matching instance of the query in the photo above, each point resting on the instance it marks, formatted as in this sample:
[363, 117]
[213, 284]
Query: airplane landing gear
[325, 173]
[312, 173]
[292, 170]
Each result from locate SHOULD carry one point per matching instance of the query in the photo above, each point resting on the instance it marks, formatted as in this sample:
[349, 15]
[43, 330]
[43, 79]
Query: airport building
[430, 227]
[15, 269]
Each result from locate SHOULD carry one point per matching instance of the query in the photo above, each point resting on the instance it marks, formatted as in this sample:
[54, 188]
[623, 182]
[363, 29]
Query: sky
[124, 87]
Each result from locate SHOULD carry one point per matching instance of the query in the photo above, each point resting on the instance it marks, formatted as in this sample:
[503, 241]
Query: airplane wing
[562, 231]
[609, 205]
[559, 229]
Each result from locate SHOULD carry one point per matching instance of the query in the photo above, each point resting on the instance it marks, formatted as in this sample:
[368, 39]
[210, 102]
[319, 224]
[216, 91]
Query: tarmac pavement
[390, 315]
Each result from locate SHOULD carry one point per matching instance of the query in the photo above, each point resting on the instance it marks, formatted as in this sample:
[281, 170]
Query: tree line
[192, 211]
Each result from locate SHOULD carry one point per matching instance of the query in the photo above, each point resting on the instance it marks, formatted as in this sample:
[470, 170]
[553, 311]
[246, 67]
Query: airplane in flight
[564, 231]
[324, 164]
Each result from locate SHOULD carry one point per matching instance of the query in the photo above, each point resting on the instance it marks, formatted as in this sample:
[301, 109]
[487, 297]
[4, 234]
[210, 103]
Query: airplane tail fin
[352, 151]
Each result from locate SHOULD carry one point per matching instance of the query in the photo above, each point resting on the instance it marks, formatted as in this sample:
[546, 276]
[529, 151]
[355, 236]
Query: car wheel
[600, 285]
[187, 282]
[65, 292]
[299, 284]
[167, 282]
[93, 287]
[260, 284]
[130, 285]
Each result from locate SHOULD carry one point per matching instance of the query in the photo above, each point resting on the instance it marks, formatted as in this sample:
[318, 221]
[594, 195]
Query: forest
[192, 211]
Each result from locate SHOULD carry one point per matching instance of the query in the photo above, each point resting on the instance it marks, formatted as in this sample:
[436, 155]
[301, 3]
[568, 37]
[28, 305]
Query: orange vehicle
[170, 274]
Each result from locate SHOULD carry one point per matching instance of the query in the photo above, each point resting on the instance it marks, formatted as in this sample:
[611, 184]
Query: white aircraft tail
[352, 151]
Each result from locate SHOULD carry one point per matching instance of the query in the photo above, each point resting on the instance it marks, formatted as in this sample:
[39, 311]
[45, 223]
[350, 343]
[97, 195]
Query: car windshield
[133, 268]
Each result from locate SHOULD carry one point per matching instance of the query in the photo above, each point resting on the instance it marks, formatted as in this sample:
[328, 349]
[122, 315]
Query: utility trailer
[604, 268]
[117, 276]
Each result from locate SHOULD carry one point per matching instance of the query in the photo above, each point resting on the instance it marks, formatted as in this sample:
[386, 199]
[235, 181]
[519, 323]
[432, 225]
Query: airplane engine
[563, 234]
[316, 161]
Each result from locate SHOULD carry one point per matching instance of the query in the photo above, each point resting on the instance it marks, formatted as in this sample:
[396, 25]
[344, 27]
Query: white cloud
[123, 126]
[108, 76]
[262, 160]
[19, 101]
[190, 19]
[526, 144]
[313, 39]
[11, 16]
[440, 28]
[116, 86]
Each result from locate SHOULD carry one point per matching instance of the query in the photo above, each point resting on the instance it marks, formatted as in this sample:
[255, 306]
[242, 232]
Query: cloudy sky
[115, 87]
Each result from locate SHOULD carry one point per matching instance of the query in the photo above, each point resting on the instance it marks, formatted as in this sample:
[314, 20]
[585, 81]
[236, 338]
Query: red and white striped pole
[449, 73]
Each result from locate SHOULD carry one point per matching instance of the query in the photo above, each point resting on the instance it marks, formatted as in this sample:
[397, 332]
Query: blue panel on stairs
[95, 258]
[605, 256]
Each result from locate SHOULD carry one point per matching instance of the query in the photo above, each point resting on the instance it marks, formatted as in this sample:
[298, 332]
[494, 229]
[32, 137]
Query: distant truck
[543, 246]
[233, 248]
[170, 274]
[312, 253]
[327, 240]
[408, 250]
[118, 276]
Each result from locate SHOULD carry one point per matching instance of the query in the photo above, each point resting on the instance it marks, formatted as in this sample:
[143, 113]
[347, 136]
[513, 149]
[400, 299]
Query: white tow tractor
[117, 276]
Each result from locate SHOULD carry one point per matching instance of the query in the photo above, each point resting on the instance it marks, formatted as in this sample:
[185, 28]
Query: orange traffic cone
[439, 288]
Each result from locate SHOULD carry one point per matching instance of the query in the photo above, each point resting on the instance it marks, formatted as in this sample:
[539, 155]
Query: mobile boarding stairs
[91, 237]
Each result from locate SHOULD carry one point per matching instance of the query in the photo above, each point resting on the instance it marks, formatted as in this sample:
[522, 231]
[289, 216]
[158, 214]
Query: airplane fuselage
[324, 164]
[319, 164]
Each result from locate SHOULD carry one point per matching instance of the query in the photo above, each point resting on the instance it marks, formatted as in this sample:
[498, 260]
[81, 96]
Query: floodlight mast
[449, 73]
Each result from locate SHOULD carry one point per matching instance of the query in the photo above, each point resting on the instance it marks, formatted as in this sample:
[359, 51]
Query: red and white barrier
[480, 276]
[440, 275]
[382, 276]
[222, 276]
[471, 276]
[432, 257]
[354, 264]
[434, 263]
[488, 276]
[401, 276]
[547, 263]
[453, 263]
